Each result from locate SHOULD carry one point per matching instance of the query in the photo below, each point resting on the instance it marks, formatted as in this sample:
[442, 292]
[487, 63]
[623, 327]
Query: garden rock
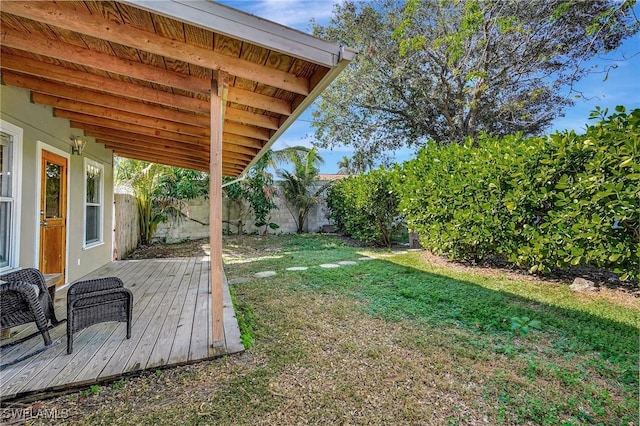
[581, 284]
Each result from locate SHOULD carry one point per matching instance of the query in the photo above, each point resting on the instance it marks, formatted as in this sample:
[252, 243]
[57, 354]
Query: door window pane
[54, 186]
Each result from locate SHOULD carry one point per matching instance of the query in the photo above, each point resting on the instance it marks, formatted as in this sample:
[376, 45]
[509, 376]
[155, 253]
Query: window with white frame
[94, 209]
[10, 140]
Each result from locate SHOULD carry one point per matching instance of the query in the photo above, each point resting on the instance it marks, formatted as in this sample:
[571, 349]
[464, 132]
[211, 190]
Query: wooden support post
[219, 88]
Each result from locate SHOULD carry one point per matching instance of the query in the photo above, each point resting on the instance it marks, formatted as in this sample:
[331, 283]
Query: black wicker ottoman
[95, 301]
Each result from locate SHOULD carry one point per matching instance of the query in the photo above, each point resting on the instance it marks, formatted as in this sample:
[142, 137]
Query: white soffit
[252, 29]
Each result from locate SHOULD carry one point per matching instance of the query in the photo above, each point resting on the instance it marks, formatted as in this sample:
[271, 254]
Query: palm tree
[299, 184]
[344, 166]
[143, 180]
[356, 165]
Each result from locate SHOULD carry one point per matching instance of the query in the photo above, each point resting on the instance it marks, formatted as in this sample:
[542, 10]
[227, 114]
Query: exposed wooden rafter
[41, 45]
[80, 79]
[137, 76]
[84, 23]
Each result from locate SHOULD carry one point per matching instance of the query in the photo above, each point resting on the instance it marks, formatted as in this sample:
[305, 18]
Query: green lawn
[394, 340]
[578, 367]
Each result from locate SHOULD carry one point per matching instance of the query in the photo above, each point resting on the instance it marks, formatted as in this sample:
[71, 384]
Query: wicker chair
[95, 301]
[24, 298]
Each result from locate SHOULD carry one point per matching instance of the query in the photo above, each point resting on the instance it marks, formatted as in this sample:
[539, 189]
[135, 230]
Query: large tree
[444, 70]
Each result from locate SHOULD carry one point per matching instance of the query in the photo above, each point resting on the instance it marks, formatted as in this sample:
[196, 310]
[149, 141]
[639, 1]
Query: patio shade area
[141, 77]
[171, 326]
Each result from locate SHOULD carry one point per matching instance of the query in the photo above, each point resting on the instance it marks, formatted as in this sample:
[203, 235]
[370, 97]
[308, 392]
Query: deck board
[167, 333]
[185, 323]
[171, 326]
[200, 330]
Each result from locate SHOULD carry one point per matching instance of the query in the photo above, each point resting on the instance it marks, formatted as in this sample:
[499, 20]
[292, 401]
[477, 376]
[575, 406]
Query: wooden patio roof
[137, 75]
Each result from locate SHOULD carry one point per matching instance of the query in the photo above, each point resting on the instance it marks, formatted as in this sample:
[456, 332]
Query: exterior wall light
[78, 145]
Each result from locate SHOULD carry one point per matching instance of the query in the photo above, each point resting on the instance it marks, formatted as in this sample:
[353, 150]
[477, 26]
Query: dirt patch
[192, 248]
[607, 281]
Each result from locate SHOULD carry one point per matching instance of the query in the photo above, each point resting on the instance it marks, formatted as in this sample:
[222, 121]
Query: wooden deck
[171, 326]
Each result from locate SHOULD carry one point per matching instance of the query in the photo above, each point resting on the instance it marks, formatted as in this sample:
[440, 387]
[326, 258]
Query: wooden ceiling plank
[105, 9]
[119, 116]
[99, 83]
[151, 155]
[237, 156]
[234, 164]
[97, 26]
[256, 100]
[168, 162]
[46, 47]
[246, 117]
[249, 131]
[98, 45]
[68, 37]
[231, 147]
[168, 28]
[157, 153]
[41, 45]
[94, 130]
[202, 38]
[165, 146]
[13, 22]
[78, 118]
[137, 17]
[243, 140]
[229, 158]
[101, 99]
[151, 59]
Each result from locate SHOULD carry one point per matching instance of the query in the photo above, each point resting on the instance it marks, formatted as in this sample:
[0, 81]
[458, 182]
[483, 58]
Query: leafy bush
[541, 202]
[366, 207]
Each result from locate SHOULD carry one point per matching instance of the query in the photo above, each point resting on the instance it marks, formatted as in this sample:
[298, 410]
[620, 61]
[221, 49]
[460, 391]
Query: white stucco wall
[41, 130]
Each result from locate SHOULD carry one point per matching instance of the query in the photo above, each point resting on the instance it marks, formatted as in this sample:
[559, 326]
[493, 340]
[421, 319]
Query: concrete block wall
[197, 225]
[192, 227]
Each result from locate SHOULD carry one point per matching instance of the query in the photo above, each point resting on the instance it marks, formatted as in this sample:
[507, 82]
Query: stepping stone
[399, 252]
[365, 258]
[239, 280]
[297, 268]
[347, 262]
[329, 265]
[264, 274]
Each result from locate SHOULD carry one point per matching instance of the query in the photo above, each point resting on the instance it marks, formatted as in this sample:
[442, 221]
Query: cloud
[292, 13]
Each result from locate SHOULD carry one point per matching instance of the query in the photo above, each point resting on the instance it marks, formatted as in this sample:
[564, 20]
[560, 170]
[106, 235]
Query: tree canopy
[451, 69]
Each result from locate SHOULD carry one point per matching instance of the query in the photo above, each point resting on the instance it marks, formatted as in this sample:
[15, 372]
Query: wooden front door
[53, 214]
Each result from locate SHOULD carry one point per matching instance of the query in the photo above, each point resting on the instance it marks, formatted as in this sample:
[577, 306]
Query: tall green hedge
[541, 202]
[366, 207]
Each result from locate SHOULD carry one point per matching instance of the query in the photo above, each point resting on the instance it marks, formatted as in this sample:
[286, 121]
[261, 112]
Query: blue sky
[622, 86]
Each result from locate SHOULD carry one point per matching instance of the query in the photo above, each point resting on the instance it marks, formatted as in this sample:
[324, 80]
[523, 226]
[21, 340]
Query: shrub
[365, 207]
[540, 202]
